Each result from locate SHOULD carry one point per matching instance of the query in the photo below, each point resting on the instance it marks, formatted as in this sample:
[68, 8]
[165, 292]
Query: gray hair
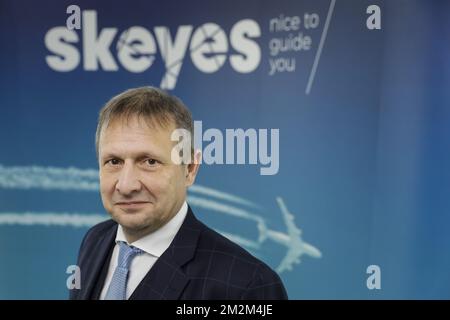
[154, 105]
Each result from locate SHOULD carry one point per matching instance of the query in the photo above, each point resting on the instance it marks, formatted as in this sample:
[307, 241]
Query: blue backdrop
[363, 117]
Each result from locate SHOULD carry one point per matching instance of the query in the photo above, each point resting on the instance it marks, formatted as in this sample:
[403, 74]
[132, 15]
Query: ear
[192, 168]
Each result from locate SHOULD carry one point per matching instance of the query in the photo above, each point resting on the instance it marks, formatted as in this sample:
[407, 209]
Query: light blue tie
[118, 287]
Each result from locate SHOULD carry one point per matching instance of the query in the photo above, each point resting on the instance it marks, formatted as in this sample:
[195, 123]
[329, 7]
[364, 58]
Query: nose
[128, 182]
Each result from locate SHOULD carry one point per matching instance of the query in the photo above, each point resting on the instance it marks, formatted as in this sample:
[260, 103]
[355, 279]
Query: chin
[133, 221]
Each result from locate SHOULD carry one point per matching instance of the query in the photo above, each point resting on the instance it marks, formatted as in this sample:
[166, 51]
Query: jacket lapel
[100, 254]
[166, 279]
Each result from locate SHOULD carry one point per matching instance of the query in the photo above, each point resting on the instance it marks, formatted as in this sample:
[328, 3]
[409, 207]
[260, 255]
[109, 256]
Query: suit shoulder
[213, 241]
[98, 230]
[244, 275]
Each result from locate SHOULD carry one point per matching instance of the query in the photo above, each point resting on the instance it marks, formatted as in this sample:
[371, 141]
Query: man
[154, 247]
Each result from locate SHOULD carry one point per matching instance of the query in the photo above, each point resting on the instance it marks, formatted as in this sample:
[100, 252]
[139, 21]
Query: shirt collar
[158, 241]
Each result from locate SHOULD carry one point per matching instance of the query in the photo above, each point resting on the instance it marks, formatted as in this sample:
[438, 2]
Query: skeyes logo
[136, 48]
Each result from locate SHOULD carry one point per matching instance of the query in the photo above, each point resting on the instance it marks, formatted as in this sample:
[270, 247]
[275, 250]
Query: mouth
[132, 204]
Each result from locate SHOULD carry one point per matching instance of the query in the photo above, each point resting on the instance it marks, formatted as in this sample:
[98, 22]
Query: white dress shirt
[153, 245]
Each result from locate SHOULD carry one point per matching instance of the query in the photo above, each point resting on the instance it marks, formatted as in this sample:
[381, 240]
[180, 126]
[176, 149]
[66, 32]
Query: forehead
[136, 134]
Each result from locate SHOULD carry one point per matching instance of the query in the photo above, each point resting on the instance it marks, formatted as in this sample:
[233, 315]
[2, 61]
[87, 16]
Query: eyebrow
[138, 156]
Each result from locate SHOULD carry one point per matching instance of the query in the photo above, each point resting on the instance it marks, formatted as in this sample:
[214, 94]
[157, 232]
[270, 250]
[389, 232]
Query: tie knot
[126, 254]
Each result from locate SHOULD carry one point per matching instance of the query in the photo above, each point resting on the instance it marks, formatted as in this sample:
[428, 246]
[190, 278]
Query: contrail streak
[52, 219]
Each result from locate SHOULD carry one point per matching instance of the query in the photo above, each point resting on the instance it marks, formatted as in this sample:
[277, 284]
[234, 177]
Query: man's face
[140, 186]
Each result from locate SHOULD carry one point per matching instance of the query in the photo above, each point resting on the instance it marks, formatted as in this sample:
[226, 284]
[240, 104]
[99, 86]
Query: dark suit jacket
[199, 264]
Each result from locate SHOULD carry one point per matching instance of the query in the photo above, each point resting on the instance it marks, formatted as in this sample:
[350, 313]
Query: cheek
[107, 184]
[177, 181]
[155, 184]
[163, 184]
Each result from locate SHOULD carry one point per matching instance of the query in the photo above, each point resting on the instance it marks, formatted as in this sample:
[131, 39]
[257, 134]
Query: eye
[151, 162]
[113, 162]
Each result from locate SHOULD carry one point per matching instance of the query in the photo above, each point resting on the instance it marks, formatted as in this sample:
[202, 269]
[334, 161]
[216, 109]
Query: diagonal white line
[51, 219]
[222, 195]
[224, 208]
[319, 50]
